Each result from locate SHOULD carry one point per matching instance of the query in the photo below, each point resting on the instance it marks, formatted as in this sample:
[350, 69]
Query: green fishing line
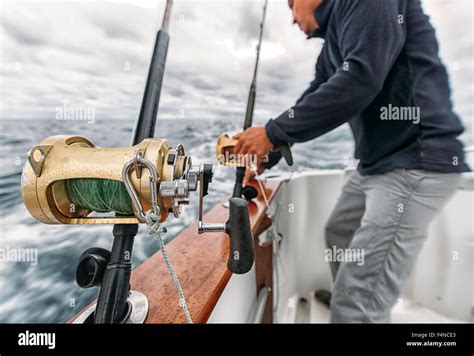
[99, 195]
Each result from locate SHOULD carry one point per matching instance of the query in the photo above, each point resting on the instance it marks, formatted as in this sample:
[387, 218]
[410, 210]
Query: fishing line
[253, 168]
[155, 229]
[99, 195]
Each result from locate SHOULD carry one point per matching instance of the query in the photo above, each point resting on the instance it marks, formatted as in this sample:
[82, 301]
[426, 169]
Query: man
[379, 70]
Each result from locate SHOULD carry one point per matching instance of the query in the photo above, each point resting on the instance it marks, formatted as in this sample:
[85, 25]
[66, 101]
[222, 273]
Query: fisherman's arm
[275, 156]
[258, 135]
[371, 39]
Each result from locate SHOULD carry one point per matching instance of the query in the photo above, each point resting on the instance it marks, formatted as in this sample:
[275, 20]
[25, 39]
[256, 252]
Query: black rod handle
[241, 255]
[239, 179]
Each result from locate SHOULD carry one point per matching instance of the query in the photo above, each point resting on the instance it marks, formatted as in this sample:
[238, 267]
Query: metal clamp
[127, 168]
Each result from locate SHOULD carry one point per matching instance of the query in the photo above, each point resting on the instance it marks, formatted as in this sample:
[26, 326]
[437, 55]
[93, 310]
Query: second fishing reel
[226, 156]
[69, 180]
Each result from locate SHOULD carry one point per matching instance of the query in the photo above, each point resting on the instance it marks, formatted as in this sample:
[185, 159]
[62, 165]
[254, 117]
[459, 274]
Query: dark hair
[290, 3]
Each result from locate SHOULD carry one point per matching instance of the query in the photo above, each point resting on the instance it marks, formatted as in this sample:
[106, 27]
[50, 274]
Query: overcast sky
[97, 53]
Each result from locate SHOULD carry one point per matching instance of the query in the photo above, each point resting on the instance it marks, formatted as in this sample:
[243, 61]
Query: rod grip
[241, 256]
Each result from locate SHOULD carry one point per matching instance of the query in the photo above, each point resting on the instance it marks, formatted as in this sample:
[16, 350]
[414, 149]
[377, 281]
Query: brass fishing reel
[225, 151]
[156, 177]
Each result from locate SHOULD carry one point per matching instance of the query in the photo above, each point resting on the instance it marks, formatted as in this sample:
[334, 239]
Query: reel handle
[241, 255]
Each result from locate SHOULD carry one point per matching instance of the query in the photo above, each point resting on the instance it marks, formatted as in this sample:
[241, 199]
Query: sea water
[45, 291]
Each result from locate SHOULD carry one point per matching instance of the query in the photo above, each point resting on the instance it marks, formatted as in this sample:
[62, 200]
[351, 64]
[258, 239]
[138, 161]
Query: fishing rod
[240, 171]
[70, 180]
[145, 124]
[226, 144]
[112, 301]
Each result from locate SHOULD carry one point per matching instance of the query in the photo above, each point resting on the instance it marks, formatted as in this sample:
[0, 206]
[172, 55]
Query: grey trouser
[385, 218]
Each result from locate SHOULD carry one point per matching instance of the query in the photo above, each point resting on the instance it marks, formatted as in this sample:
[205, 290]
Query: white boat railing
[261, 304]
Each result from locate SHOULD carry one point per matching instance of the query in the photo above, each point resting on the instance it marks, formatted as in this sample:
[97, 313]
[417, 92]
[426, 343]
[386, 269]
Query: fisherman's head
[303, 14]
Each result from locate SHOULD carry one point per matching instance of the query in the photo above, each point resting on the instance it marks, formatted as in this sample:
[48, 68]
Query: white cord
[155, 229]
[253, 168]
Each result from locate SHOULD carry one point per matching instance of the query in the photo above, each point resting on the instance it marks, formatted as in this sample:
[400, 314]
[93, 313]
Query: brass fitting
[225, 151]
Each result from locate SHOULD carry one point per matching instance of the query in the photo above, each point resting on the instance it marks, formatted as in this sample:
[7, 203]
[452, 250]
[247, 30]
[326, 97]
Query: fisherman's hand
[254, 142]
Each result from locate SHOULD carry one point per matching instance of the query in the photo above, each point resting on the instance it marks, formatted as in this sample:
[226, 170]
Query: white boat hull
[440, 289]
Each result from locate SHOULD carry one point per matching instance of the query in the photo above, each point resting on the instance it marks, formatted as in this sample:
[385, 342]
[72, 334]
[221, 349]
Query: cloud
[98, 54]
[21, 34]
[249, 22]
